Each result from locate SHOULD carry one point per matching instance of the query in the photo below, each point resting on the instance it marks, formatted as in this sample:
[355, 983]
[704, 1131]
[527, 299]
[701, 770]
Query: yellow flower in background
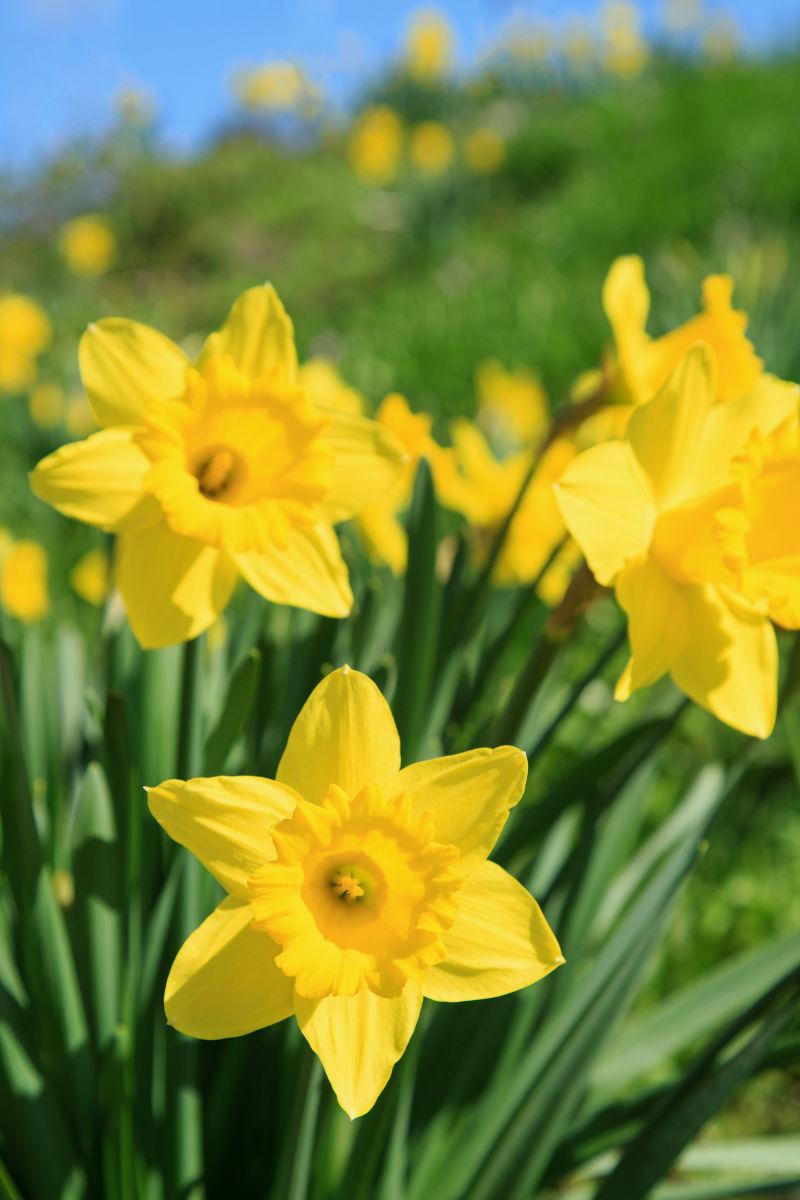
[25, 331]
[512, 405]
[381, 531]
[722, 38]
[23, 579]
[644, 364]
[324, 386]
[431, 147]
[46, 405]
[79, 417]
[88, 245]
[578, 45]
[355, 889]
[89, 578]
[136, 107]
[429, 46]
[660, 516]
[624, 48]
[215, 471]
[530, 43]
[274, 86]
[484, 150]
[375, 144]
[484, 488]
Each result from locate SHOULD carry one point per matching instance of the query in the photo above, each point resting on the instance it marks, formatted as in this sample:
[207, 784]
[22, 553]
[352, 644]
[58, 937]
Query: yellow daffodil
[355, 889]
[46, 405]
[484, 150]
[378, 524]
[79, 418]
[89, 577]
[375, 144]
[88, 245]
[431, 147]
[578, 45]
[325, 387]
[25, 331]
[625, 51]
[484, 489]
[660, 517]
[215, 471]
[23, 579]
[429, 45]
[512, 405]
[274, 86]
[644, 363]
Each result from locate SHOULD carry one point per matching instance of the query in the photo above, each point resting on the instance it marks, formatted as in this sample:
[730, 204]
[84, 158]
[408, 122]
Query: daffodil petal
[666, 434]
[126, 367]
[345, 734]
[258, 335]
[224, 981]
[626, 300]
[469, 796]
[358, 1040]
[385, 538]
[366, 465]
[729, 663]
[225, 822]
[608, 506]
[173, 587]
[98, 480]
[656, 624]
[499, 942]
[307, 571]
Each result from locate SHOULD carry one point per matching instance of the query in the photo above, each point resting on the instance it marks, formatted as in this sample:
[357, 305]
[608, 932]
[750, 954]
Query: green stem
[303, 1130]
[506, 728]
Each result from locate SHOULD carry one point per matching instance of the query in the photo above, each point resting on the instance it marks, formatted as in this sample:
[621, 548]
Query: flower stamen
[216, 472]
[346, 886]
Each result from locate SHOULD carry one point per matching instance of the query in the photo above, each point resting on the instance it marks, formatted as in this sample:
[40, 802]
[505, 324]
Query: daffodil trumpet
[355, 889]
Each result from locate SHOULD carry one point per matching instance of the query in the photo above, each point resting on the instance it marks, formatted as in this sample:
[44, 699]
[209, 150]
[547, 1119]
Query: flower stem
[304, 1127]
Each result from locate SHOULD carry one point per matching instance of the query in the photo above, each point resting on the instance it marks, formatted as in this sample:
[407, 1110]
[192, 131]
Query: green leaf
[241, 694]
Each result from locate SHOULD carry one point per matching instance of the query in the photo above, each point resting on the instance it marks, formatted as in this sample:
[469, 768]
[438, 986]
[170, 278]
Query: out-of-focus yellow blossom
[512, 405]
[660, 517]
[375, 144]
[135, 106]
[579, 47]
[79, 418]
[643, 364]
[530, 43]
[383, 534]
[25, 331]
[624, 48]
[326, 388]
[484, 150]
[89, 578]
[683, 16]
[484, 488]
[215, 471]
[88, 245]
[46, 405]
[722, 38]
[275, 86]
[429, 46]
[431, 147]
[355, 889]
[23, 579]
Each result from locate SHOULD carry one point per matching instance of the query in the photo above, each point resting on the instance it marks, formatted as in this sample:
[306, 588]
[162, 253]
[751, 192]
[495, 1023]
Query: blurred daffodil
[88, 245]
[215, 471]
[324, 386]
[355, 889]
[659, 517]
[578, 45]
[484, 150]
[274, 86]
[25, 331]
[46, 405]
[429, 45]
[89, 578]
[431, 147]
[23, 579]
[643, 364]
[79, 417]
[484, 489]
[625, 50]
[375, 144]
[512, 405]
[722, 38]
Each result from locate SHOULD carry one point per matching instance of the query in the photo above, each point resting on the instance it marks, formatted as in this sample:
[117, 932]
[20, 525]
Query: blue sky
[62, 61]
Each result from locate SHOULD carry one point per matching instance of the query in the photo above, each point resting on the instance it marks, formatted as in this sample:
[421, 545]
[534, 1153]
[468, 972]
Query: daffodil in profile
[674, 520]
[215, 471]
[355, 889]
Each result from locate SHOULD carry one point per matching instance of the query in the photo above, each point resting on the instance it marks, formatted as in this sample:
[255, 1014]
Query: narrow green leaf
[236, 710]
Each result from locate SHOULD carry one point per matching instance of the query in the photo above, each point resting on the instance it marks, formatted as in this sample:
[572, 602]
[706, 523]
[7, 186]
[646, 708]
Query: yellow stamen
[346, 887]
[216, 472]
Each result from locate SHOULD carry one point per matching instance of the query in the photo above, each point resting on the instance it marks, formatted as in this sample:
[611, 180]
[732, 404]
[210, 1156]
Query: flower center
[217, 472]
[345, 884]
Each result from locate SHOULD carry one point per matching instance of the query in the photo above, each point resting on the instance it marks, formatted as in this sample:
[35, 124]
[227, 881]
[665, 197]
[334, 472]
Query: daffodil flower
[661, 516]
[216, 471]
[355, 889]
